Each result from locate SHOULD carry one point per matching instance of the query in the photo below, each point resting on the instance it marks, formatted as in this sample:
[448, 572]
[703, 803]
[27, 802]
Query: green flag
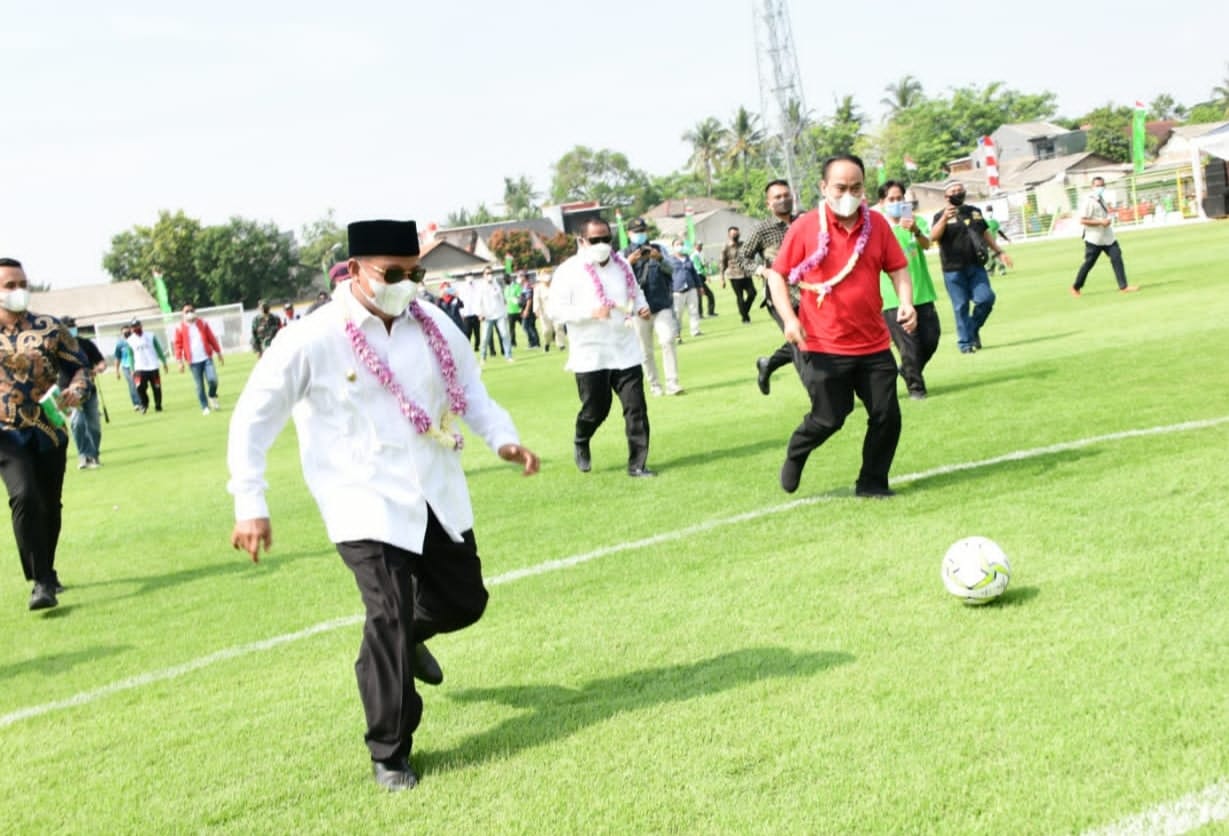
[1137, 136]
[621, 230]
[882, 172]
[508, 264]
[689, 239]
[164, 301]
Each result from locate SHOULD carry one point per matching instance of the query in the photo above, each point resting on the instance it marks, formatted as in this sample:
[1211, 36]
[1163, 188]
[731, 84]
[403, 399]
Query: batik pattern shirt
[36, 352]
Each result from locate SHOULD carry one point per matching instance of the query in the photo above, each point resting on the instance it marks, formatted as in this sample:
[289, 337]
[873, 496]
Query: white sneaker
[205, 411]
[213, 402]
[656, 390]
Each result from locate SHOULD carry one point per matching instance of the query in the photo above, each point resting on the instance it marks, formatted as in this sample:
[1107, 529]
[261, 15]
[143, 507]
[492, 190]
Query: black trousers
[786, 353]
[35, 482]
[145, 380]
[832, 380]
[409, 598]
[707, 293]
[917, 348]
[595, 389]
[1091, 253]
[473, 330]
[744, 296]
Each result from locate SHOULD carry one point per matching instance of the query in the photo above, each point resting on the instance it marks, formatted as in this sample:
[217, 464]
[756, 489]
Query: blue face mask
[894, 210]
[72, 331]
[638, 238]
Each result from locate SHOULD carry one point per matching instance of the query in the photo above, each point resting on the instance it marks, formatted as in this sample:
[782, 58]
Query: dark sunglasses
[392, 275]
[600, 239]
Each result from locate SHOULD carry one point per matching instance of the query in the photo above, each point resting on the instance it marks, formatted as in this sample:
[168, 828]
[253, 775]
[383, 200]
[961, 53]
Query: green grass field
[726, 659]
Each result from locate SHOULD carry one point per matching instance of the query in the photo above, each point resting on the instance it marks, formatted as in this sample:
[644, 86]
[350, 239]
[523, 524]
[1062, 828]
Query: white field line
[1182, 815]
[85, 697]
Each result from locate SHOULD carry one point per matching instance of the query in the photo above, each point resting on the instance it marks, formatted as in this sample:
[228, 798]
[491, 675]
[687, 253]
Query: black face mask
[956, 199]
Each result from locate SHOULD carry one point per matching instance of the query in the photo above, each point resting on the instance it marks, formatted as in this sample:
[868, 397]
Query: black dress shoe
[426, 669]
[640, 472]
[874, 493]
[791, 475]
[394, 775]
[763, 374]
[581, 454]
[43, 597]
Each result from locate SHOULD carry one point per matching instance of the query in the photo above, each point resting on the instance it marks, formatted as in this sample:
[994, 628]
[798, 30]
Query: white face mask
[845, 205]
[598, 253]
[392, 299]
[16, 300]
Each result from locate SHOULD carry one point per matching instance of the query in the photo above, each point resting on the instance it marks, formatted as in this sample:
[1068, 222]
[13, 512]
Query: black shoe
[977, 343]
[791, 474]
[874, 493]
[56, 585]
[580, 453]
[640, 472]
[763, 374]
[426, 668]
[43, 597]
[394, 775]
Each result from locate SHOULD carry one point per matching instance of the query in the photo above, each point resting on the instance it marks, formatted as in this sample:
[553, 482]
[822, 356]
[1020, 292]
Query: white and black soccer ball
[976, 570]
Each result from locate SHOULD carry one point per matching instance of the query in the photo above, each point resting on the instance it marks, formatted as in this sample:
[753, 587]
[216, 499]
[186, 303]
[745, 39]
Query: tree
[168, 246]
[324, 243]
[707, 140]
[245, 260]
[902, 95]
[520, 199]
[526, 251]
[745, 140]
[604, 176]
[1165, 107]
[1205, 112]
[1109, 132]
[1220, 94]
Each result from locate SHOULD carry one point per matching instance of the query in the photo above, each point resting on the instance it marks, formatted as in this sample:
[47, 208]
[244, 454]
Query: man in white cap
[376, 382]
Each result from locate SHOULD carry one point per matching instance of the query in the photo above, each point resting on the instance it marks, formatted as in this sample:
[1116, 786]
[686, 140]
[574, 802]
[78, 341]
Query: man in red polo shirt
[835, 254]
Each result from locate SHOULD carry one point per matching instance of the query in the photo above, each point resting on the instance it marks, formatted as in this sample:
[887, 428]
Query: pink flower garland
[628, 276]
[415, 413]
[813, 261]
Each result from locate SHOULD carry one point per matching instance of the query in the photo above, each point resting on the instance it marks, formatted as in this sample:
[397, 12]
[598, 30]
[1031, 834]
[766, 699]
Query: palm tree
[520, 199]
[707, 140]
[902, 95]
[745, 140]
[1220, 93]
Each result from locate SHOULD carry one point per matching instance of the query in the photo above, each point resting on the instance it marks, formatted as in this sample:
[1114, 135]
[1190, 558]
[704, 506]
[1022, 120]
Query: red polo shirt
[850, 321]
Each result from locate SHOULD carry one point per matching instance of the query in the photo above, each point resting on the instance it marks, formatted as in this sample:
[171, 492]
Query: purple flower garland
[628, 276]
[816, 258]
[411, 410]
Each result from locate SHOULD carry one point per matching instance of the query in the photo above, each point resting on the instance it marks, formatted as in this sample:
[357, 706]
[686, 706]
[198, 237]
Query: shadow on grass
[156, 583]
[1030, 470]
[724, 455]
[60, 662]
[1030, 373]
[554, 712]
[1015, 596]
[1041, 339]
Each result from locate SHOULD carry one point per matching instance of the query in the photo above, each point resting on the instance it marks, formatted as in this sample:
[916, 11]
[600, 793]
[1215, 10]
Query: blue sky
[280, 111]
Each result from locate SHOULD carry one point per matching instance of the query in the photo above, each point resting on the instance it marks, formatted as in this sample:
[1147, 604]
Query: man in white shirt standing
[147, 353]
[375, 388]
[595, 294]
[1099, 238]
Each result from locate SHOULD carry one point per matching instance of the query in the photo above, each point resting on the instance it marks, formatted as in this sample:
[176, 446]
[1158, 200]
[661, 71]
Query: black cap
[68, 322]
[134, 323]
[382, 238]
[637, 225]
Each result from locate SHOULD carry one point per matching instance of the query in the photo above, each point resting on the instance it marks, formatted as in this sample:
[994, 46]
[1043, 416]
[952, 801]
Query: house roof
[96, 303]
[1032, 130]
[1196, 131]
[678, 207]
[1042, 171]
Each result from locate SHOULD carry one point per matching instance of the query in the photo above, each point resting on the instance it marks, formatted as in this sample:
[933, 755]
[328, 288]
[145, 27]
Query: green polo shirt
[919, 272]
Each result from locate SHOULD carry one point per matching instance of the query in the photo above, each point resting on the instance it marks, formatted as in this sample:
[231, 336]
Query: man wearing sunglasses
[376, 381]
[596, 295]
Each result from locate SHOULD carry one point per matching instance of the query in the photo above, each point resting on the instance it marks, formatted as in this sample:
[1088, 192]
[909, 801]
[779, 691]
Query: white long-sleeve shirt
[371, 473]
[595, 344]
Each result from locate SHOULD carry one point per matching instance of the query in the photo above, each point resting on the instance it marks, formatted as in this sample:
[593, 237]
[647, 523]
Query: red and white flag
[910, 165]
[991, 163]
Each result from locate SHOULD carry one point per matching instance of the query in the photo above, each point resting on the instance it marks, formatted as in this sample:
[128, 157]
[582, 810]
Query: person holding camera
[653, 274]
[965, 245]
[918, 347]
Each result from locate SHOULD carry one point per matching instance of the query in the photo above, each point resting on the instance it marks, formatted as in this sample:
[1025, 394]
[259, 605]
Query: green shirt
[919, 272]
[512, 296]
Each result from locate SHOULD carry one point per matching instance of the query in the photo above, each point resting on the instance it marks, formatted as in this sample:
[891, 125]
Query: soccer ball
[976, 570]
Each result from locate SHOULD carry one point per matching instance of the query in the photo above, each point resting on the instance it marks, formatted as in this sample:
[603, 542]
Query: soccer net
[227, 322]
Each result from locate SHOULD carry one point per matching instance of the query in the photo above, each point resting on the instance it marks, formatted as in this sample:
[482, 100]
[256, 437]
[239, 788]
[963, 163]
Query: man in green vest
[917, 348]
